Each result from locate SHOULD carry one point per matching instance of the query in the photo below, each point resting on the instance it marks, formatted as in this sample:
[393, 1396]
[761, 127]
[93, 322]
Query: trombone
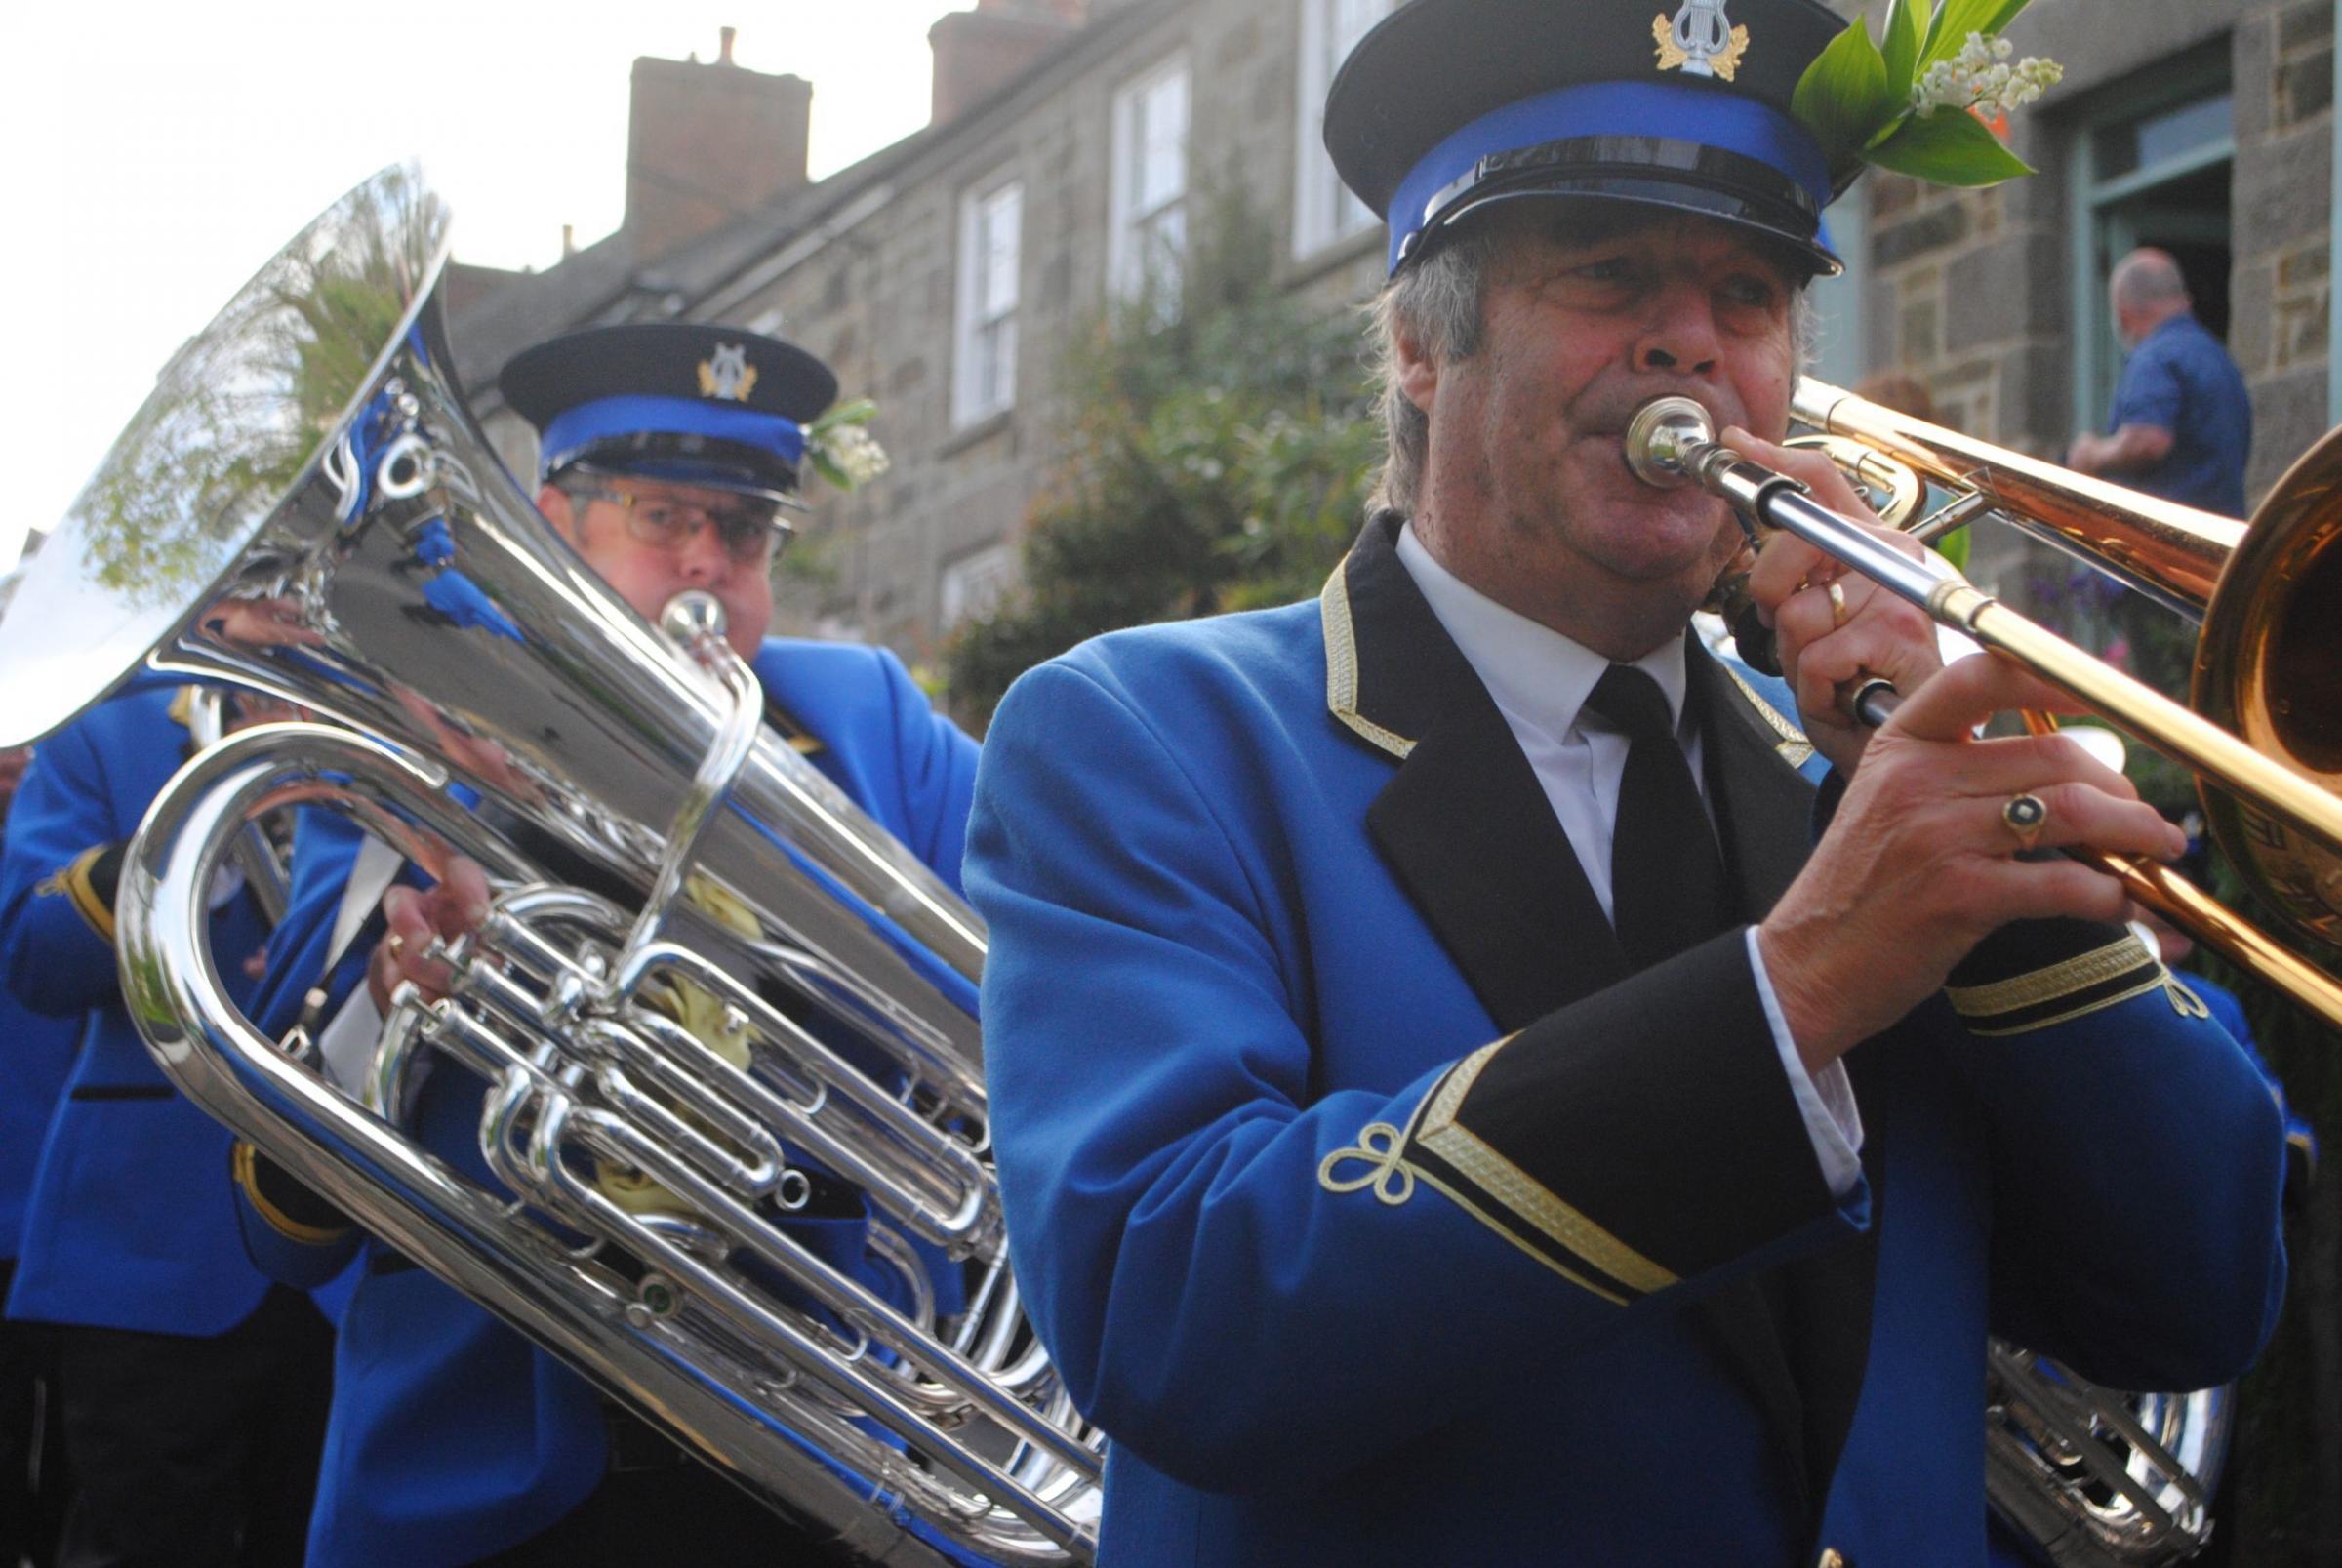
[2262, 730]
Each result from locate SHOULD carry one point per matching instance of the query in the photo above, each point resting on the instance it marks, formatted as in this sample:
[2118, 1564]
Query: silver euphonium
[307, 507]
[2098, 1477]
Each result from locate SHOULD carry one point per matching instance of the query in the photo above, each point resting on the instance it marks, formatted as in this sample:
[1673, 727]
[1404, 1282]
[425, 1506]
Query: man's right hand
[457, 904]
[1918, 864]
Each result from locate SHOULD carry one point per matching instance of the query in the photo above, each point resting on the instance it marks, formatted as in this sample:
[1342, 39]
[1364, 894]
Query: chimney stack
[724, 53]
[705, 144]
[569, 241]
[979, 51]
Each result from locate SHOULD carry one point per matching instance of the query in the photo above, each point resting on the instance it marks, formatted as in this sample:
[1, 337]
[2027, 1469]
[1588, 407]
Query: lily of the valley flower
[1980, 77]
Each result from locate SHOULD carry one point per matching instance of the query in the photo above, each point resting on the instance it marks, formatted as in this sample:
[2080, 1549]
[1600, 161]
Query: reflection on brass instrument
[264, 523]
[2099, 1477]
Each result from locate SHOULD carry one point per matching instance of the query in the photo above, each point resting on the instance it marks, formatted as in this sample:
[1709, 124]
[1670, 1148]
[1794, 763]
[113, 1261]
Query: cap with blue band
[1447, 106]
[689, 402]
[575, 432]
[1579, 118]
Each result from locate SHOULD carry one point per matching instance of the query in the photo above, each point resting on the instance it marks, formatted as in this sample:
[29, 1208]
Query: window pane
[1352, 18]
[998, 226]
[1163, 141]
[2133, 145]
[2185, 129]
[1324, 211]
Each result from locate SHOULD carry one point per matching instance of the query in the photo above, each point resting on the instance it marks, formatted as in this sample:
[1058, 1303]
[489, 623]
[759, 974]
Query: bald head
[2147, 290]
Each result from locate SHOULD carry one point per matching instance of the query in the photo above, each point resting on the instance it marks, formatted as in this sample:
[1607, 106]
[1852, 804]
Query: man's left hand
[1831, 625]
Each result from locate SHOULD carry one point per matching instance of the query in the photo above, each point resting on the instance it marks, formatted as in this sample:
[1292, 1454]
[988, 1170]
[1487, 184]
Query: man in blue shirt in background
[2182, 421]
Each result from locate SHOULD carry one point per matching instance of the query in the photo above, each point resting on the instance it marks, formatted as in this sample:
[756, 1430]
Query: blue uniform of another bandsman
[36, 1055]
[1463, 1094]
[453, 1439]
[194, 1387]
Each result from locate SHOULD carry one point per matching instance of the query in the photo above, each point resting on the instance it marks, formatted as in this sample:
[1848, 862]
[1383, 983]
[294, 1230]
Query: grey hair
[2148, 277]
[1436, 305]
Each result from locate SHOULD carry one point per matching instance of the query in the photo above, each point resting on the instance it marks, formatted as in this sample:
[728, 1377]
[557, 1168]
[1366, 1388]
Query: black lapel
[1764, 806]
[1464, 823]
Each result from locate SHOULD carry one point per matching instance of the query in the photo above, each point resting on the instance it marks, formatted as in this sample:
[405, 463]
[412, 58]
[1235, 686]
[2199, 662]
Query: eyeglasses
[750, 529]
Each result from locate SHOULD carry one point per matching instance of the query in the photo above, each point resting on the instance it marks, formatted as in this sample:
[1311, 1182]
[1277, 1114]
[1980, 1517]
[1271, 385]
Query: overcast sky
[157, 154]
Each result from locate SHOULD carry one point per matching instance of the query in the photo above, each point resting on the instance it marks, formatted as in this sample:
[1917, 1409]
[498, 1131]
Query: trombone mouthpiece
[1664, 438]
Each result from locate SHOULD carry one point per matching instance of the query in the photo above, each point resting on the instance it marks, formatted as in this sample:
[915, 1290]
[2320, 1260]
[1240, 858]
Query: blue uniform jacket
[132, 1220]
[36, 1057]
[1381, 1216]
[452, 1436]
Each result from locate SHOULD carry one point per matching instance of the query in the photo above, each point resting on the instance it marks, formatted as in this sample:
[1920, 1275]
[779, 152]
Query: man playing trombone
[1462, 1093]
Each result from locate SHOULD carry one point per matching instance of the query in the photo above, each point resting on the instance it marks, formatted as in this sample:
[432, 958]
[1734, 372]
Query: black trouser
[33, 1484]
[653, 1499]
[189, 1452]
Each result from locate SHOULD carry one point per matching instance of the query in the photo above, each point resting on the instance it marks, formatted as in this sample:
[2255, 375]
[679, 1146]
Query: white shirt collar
[1537, 676]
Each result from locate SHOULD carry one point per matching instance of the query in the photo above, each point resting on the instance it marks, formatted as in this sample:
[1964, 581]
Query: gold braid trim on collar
[1341, 666]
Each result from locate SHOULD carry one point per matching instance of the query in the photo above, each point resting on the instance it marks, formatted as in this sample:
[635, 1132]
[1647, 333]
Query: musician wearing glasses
[1477, 1079]
[670, 456]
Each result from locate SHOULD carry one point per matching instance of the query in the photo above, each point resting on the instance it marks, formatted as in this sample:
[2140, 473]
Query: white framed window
[1324, 209]
[1149, 239]
[975, 582]
[984, 378]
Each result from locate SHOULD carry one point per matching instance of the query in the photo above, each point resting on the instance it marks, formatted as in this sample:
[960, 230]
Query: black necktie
[1669, 892]
[1668, 888]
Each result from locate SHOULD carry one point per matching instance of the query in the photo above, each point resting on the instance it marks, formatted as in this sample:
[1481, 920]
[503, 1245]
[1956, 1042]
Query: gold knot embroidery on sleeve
[1379, 1149]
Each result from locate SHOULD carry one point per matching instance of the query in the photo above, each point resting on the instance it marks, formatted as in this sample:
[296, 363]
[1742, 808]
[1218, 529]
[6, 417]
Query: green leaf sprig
[1885, 103]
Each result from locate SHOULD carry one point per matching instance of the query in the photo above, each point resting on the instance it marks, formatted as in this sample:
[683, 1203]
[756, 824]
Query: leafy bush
[1216, 459]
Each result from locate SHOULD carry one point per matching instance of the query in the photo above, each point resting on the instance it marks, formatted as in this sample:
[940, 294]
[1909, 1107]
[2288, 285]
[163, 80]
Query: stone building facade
[947, 275]
[2205, 126]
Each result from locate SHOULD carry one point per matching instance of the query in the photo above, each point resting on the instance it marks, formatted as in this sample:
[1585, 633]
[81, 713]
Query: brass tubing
[2182, 903]
[2171, 553]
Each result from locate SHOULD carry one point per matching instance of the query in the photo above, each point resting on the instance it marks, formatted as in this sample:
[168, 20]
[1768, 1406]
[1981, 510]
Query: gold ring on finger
[1839, 614]
[2026, 816]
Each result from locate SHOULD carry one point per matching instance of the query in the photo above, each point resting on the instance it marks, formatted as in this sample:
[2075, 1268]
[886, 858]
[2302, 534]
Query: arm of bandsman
[291, 1233]
[1213, 1245]
[2138, 1159]
[57, 881]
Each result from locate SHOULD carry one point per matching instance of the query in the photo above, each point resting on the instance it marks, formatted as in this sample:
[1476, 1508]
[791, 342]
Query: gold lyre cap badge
[1701, 40]
[726, 373]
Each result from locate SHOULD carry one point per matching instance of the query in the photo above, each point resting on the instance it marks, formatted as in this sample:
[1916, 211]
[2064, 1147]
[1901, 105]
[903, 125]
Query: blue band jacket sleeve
[57, 890]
